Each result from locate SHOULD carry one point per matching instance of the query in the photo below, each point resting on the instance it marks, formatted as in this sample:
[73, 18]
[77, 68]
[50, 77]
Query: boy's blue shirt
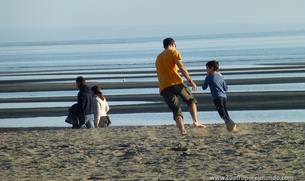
[217, 84]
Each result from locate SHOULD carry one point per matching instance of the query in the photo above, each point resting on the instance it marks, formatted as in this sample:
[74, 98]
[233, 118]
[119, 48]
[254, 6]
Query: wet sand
[153, 153]
[262, 100]
[236, 101]
[277, 100]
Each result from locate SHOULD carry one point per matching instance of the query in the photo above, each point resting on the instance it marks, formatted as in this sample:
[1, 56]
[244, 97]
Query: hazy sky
[60, 14]
[75, 13]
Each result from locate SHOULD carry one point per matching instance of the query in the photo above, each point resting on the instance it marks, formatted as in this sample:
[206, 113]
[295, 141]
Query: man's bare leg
[180, 124]
[234, 130]
[193, 112]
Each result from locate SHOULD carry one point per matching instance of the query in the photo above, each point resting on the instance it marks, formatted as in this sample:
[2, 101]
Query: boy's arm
[225, 87]
[205, 83]
[185, 73]
[224, 84]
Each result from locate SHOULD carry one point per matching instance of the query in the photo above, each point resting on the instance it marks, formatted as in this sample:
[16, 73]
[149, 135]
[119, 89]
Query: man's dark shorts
[170, 96]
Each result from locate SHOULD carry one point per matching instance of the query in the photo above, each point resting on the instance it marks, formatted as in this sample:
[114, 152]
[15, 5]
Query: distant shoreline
[79, 34]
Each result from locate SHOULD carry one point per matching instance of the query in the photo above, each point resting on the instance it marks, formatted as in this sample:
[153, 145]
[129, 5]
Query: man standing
[85, 104]
[171, 84]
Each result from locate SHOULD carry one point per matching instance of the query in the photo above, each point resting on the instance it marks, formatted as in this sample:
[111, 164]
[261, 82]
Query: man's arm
[185, 73]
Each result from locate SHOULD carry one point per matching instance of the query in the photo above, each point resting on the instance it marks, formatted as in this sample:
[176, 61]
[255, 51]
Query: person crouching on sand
[171, 84]
[218, 88]
[100, 107]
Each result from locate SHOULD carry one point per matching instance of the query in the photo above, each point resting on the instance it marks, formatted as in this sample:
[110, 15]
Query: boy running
[218, 88]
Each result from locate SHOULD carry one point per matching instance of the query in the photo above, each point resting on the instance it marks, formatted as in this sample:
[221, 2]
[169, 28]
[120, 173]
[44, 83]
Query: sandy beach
[154, 153]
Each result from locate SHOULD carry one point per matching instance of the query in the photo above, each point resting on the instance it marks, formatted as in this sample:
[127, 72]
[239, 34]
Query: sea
[133, 60]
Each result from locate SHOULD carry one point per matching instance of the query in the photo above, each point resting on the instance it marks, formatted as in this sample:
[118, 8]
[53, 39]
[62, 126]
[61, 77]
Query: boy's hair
[213, 64]
[81, 81]
[167, 42]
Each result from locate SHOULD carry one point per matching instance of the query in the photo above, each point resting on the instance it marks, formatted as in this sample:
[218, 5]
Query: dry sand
[153, 152]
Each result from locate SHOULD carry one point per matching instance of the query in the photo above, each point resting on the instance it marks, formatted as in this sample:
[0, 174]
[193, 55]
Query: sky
[22, 19]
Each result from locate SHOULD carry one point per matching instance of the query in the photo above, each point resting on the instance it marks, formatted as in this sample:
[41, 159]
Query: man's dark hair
[81, 81]
[167, 42]
[213, 64]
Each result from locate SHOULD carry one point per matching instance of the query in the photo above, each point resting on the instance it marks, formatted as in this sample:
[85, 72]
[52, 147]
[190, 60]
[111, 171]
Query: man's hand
[194, 86]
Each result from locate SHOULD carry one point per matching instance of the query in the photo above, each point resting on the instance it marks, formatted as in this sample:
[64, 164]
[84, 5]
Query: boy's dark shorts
[170, 96]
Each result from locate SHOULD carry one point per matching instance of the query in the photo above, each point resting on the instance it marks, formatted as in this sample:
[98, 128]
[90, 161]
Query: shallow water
[64, 104]
[232, 88]
[148, 119]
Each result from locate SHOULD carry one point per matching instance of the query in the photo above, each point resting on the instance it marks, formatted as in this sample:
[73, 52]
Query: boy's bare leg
[193, 112]
[180, 124]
